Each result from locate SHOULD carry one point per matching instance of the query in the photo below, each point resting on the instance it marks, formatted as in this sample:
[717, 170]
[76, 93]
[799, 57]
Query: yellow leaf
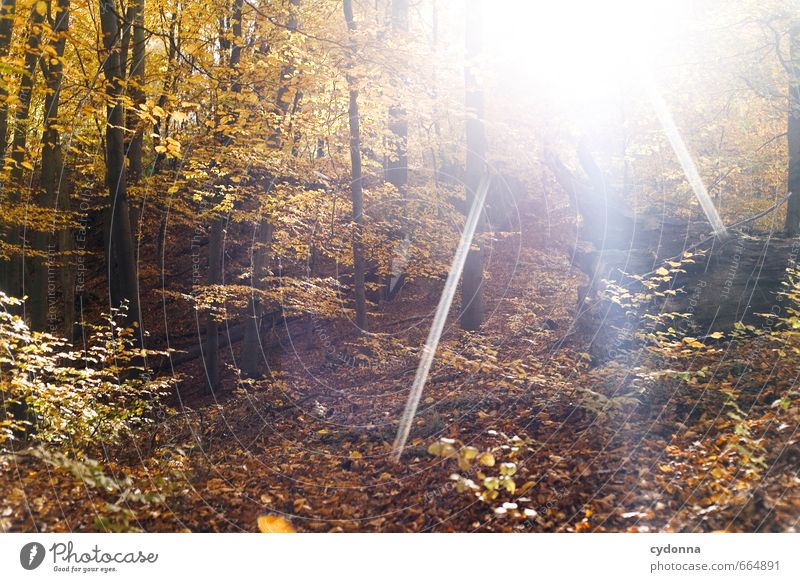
[26, 165]
[442, 449]
[662, 271]
[356, 455]
[274, 524]
[41, 8]
[486, 459]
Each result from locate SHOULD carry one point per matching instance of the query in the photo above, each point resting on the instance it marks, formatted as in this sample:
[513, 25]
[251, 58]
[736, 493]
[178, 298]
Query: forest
[399, 266]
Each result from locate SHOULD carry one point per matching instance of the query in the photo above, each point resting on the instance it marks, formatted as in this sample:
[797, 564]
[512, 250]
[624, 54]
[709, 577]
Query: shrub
[55, 394]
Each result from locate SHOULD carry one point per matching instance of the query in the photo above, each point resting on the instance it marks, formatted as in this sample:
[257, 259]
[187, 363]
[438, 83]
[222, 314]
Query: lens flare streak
[439, 319]
[684, 157]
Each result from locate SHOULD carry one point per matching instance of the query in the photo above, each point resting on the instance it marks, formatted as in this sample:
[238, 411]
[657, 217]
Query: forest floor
[592, 449]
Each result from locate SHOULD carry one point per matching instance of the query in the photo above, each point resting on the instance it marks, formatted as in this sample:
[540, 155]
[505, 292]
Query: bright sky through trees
[580, 46]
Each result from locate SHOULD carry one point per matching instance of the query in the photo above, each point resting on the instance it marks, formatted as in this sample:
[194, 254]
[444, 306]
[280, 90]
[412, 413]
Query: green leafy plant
[483, 476]
[52, 393]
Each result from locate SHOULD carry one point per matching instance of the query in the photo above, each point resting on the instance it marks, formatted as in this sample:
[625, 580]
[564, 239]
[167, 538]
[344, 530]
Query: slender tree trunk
[13, 283]
[7, 10]
[123, 280]
[397, 162]
[253, 348]
[356, 189]
[43, 272]
[136, 93]
[136, 90]
[472, 280]
[169, 86]
[215, 265]
[158, 163]
[66, 245]
[793, 134]
[217, 230]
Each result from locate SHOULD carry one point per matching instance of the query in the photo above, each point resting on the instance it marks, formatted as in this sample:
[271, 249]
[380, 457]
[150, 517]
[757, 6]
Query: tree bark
[253, 348]
[13, 283]
[472, 307]
[215, 266]
[356, 188]
[121, 260]
[397, 163]
[136, 93]
[168, 87]
[43, 275]
[793, 134]
[7, 10]
[217, 230]
[136, 81]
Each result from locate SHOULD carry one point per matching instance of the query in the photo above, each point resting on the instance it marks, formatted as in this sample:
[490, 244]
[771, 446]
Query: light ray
[439, 319]
[684, 157]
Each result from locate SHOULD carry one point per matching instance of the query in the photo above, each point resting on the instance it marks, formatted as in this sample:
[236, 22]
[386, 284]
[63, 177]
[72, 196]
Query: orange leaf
[274, 524]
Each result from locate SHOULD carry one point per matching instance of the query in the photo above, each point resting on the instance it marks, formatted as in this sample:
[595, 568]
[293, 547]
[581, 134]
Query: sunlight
[439, 319]
[684, 157]
[581, 49]
[590, 52]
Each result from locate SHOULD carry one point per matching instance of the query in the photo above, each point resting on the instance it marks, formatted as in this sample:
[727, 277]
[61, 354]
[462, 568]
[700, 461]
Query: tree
[136, 80]
[397, 162]
[397, 165]
[120, 256]
[136, 93]
[230, 40]
[793, 133]
[472, 308]
[45, 242]
[7, 10]
[13, 283]
[356, 187]
[252, 349]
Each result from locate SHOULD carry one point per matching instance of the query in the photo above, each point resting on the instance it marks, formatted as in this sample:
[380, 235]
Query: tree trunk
[793, 134]
[397, 162]
[356, 189]
[43, 275]
[7, 10]
[13, 283]
[136, 93]
[253, 347]
[168, 87]
[215, 265]
[217, 231]
[472, 307]
[123, 280]
[136, 90]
